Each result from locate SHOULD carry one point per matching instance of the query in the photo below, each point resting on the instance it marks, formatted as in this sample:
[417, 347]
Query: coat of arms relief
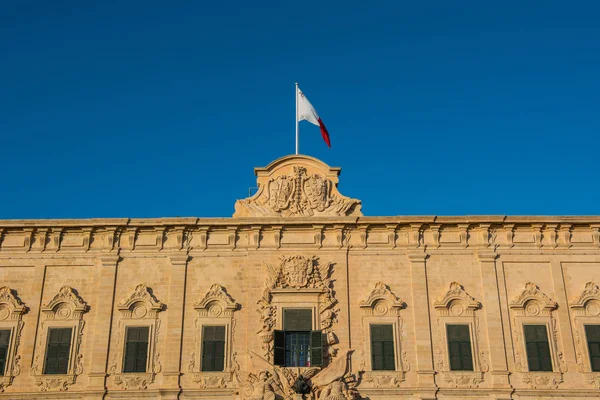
[297, 186]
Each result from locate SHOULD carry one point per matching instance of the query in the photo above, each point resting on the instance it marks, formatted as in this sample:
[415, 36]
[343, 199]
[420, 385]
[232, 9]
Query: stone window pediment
[140, 309]
[11, 313]
[64, 310]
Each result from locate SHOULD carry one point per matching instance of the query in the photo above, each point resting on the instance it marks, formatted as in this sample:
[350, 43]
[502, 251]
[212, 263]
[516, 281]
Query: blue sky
[156, 109]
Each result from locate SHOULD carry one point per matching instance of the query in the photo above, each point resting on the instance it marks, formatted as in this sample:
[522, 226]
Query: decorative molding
[216, 302]
[11, 313]
[297, 186]
[463, 379]
[542, 380]
[540, 303]
[141, 308]
[64, 310]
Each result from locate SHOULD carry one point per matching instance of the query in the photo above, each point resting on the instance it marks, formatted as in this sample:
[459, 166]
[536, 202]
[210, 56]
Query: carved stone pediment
[456, 301]
[532, 301]
[11, 306]
[140, 303]
[69, 302]
[382, 300]
[588, 301]
[297, 186]
[216, 302]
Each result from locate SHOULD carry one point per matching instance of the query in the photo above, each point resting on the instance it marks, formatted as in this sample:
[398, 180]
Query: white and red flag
[306, 112]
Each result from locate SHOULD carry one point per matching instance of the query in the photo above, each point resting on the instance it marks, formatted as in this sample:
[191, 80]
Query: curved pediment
[297, 186]
[533, 301]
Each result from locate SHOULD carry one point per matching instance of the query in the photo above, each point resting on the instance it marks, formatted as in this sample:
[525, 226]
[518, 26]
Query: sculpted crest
[297, 186]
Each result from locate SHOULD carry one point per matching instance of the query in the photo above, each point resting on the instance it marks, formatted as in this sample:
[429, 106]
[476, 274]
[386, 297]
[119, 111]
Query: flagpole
[296, 117]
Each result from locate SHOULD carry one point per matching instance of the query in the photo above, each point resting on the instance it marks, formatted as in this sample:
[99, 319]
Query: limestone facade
[299, 243]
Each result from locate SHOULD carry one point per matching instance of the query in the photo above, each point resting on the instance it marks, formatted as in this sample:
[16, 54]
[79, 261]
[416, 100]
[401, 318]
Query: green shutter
[459, 347]
[538, 349]
[592, 333]
[316, 348]
[136, 349]
[279, 348]
[57, 351]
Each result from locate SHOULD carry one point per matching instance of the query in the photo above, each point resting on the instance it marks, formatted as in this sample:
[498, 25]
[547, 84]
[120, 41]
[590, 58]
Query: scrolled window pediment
[11, 306]
[140, 304]
[216, 302]
[381, 300]
[588, 302]
[66, 304]
[456, 301]
[532, 301]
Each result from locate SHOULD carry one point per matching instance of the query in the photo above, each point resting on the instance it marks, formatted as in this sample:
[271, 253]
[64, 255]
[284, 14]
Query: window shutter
[538, 348]
[279, 348]
[592, 332]
[316, 348]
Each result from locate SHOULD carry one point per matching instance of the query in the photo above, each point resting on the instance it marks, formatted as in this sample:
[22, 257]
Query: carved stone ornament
[297, 273]
[297, 186]
[64, 310]
[267, 382]
[382, 301]
[532, 301]
[216, 302]
[456, 301]
[586, 309]
[11, 312]
[140, 309]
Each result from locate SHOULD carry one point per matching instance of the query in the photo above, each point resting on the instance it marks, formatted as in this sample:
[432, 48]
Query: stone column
[493, 319]
[102, 324]
[174, 333]
[422, 325]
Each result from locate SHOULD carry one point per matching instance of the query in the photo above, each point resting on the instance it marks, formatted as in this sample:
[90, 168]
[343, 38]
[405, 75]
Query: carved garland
[458, 306]
[383, 306]
[11, 313]
[141, 308]
[534, 305]
[586, 308]
[297, 273]
[217, 307]
[66, 309]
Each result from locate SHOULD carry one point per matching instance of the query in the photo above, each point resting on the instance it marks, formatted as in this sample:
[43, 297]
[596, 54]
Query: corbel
[362, 231]
[510, 235]
[463, 233]
[483, 233]
[595, 234]
[564, 235]
[188, 234]
[87, 238]
[550, 235]
[28, 238]
[392, 234]
[203, 234]
[131, 235]
[41, 236]
[318, 235]
[537, 234]
[56, 238]
[414, 235]
[253, 237]
[161, 236]
[277, 235]
[232, 233]
[435, 234]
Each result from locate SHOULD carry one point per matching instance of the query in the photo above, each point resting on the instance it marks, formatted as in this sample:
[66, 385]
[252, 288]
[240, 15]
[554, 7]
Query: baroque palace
[299, 296]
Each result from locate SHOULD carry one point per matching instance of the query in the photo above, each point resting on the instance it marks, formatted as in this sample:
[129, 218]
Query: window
[213, 348]
[4, 339]
[592, 333]
[459, 347]
[382, 348]
[298, 345]
[136, 349]
[538, 349]
[57, 352]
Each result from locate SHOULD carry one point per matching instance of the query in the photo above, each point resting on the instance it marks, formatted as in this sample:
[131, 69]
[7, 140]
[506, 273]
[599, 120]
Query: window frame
[48, 344]
[585, 311]
[126, 333]
[547, 341]
[393, 346]
[11, 319]
[471, 336]
[202, 328]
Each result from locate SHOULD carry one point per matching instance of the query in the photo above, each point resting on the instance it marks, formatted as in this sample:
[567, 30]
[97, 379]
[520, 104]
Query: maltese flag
[306, 112]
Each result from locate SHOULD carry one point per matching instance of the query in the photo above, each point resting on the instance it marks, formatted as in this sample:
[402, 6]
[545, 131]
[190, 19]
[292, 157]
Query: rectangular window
[297, 325]
[382, 348]
[4, 339]
[297, 345]
[459, 347]
[592, 333]
[213, 348]
[57, 351]
[136, 349]
[538, 349]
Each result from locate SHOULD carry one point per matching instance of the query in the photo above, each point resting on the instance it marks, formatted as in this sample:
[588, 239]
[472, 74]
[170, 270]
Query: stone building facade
[478, 307]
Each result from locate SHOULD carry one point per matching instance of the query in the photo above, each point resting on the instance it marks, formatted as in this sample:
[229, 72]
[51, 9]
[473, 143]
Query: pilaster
[493, 319]
[422, 321]
[565, 338]
[171, 373]
[102, 321]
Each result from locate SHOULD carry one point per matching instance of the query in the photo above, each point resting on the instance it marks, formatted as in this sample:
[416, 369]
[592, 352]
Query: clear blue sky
[155, 109]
